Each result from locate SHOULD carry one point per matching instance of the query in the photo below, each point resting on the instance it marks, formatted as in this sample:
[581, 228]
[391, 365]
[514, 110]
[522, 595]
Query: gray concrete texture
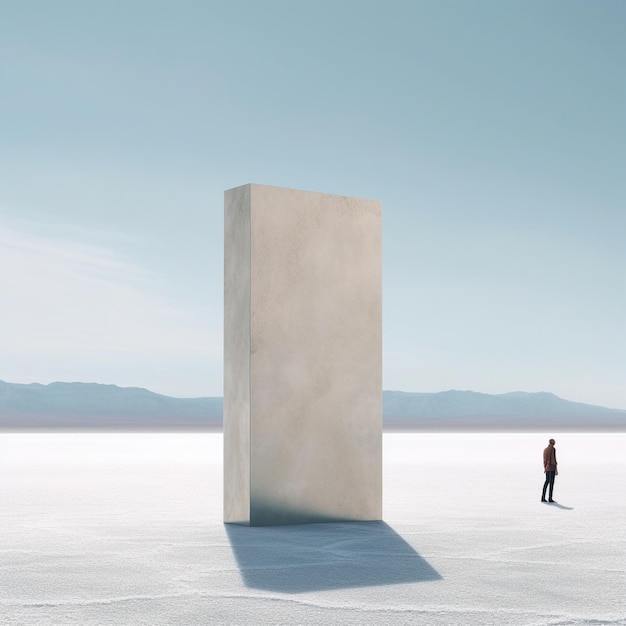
[302, 357]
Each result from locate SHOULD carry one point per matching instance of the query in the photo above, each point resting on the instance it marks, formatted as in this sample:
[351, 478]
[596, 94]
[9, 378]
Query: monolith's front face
[302, 388]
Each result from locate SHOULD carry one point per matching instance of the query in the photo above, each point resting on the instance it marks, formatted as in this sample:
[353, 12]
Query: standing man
[549, 467]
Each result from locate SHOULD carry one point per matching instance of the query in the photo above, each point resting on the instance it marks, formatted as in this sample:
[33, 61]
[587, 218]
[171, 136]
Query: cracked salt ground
[126, 529]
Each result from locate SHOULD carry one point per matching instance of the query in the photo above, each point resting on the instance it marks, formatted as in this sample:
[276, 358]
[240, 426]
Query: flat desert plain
[127, 529]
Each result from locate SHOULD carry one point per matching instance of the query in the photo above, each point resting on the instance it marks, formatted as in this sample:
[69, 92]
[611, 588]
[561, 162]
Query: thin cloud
[66, 256]
[89, 304]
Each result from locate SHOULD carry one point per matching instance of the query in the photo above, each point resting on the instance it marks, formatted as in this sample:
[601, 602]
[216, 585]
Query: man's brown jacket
[549, 459]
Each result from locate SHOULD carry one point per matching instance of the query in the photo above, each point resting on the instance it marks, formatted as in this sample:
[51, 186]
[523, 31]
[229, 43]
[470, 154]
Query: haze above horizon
[492, 133]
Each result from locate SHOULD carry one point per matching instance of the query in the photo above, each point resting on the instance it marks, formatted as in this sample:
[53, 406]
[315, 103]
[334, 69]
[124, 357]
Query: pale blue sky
[493, 133]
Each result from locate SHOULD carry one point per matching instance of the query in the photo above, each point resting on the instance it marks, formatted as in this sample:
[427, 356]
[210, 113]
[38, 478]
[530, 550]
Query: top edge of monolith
[292, 189]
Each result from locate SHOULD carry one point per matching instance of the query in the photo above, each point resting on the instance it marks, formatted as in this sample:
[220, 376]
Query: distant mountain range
[518, 410]
[96, 407]
[91, 406]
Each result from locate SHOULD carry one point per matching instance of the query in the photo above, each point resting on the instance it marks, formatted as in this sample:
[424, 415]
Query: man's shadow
[314, 557]
[556, 505]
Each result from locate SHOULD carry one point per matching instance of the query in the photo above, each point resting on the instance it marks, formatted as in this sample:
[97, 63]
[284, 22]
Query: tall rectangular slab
[302, 357]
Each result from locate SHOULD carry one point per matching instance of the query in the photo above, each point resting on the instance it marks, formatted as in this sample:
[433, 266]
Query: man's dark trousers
[549, 481]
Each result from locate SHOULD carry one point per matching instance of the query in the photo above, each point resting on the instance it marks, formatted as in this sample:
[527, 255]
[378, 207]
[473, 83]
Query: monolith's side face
[237, 355]
[314, 394]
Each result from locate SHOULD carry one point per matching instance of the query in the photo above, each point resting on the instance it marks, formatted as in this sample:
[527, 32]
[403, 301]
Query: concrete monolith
[302, 357]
